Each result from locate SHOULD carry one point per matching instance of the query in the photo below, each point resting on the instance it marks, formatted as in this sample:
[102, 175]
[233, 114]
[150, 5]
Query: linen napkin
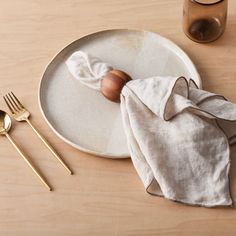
[178, 135]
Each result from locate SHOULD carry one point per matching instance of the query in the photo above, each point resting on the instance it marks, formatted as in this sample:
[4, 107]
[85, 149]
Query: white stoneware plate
[81, 116]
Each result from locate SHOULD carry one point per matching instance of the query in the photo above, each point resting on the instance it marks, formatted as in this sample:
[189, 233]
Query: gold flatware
[5, 126]
[20, 113]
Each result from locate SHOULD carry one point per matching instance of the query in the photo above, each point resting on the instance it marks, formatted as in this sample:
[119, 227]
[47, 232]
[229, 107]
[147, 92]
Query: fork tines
[13, 102]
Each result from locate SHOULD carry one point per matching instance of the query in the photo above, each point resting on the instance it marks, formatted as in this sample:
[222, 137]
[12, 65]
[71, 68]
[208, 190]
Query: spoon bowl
[5, 122]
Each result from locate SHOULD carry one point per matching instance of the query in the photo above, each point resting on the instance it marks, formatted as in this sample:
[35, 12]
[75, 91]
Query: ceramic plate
[81, 116]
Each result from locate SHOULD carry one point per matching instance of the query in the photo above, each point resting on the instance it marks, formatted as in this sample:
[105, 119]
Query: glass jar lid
[208, 2]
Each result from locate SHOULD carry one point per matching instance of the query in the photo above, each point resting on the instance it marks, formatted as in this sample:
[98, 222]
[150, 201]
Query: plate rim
[78, 147]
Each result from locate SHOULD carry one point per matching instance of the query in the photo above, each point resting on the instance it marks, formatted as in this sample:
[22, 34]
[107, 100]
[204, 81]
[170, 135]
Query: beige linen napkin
[178, 135]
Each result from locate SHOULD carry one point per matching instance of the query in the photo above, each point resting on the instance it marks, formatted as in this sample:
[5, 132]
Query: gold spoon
[5, 126]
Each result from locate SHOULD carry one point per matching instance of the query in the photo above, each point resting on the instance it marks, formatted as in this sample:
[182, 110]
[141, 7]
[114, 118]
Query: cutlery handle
[48, 145]
[28, 161]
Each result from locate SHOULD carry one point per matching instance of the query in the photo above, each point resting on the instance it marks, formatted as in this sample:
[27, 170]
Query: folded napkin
[178, 135]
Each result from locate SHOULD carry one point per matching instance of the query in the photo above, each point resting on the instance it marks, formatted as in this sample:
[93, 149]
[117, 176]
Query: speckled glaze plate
[81, 116]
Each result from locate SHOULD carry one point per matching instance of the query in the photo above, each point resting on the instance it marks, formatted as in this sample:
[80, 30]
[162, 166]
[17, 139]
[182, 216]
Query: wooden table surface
[104, 197]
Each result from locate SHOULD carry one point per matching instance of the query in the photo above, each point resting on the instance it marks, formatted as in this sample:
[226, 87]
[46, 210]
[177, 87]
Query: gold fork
[20, 113]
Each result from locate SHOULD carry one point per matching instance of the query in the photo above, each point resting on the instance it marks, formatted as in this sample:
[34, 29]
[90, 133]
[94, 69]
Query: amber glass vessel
[204, 20]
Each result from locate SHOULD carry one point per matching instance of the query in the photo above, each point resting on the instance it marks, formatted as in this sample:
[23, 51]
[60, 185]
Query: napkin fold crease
[178, 135]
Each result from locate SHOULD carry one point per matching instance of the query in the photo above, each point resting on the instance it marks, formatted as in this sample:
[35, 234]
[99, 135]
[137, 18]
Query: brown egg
[112, 84]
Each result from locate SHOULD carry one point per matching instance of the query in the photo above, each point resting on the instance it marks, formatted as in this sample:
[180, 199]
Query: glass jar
[204, 20]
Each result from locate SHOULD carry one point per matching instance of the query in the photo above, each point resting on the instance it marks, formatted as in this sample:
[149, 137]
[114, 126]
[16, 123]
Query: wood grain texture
[104, 197]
